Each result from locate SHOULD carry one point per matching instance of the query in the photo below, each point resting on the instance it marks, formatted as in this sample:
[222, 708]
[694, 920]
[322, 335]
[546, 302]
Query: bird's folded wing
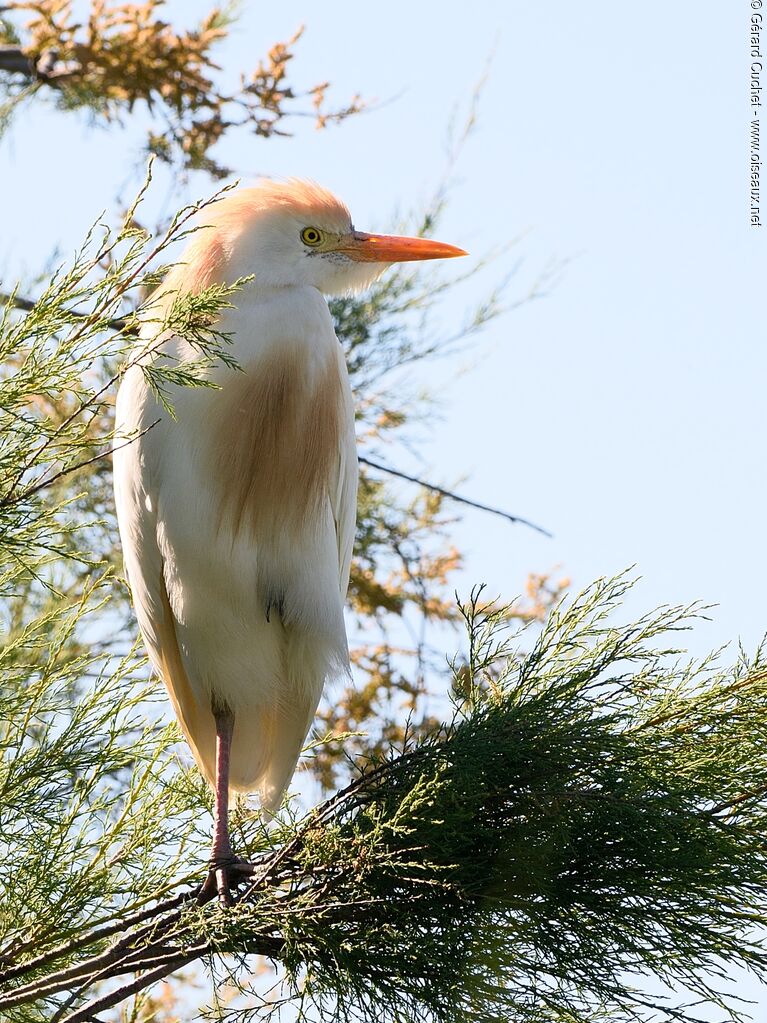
[343, 499]
[144, 569]
[196, 721]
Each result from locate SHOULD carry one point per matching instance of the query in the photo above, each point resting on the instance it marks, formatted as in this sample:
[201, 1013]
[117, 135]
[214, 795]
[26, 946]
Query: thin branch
[67, 948]
[45, 68]
[141, 982]
[516, 519]
[118, 323]
[16, 62]
[43, 483]
[730, 804]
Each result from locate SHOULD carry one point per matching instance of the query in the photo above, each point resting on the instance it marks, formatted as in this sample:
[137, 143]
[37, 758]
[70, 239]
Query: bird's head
[294, 233]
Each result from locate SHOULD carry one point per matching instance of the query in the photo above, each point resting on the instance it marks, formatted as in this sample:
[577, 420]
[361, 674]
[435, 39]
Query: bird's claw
[224, 875]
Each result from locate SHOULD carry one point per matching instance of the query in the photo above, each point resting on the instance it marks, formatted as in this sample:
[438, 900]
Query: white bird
[237, 517]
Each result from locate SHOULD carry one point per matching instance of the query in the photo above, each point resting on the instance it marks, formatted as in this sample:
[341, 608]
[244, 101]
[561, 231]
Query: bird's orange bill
[386, 248]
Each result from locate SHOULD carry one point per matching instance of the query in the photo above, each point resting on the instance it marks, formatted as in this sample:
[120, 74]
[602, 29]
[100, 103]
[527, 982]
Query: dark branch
[48, 481]
[16, 62]
[91, 937]
[516, 519]
[43, 68]
[144, 980]
[119, 323]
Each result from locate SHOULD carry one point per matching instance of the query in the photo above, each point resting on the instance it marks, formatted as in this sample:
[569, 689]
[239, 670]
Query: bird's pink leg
[222, 849]
[225, 867]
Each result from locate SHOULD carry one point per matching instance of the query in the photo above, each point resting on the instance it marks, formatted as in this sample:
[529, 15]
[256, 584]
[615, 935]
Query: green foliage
[60, 370]
[82, 814]
[594, 810]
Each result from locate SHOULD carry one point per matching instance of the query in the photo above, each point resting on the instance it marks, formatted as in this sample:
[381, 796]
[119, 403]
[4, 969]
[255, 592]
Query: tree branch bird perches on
[237, 517]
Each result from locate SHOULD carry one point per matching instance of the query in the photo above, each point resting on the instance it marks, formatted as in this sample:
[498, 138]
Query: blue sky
[625, 410]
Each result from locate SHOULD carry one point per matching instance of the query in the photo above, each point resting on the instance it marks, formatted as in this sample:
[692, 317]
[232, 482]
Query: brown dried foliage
[124, 53]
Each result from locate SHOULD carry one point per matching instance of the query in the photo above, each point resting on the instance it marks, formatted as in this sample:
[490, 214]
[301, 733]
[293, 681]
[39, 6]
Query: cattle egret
[237, 516]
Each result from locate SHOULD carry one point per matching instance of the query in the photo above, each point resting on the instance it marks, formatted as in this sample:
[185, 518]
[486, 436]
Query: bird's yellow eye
[311, 236]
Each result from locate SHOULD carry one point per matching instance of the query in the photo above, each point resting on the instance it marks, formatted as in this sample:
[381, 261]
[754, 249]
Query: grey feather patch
[275, 601]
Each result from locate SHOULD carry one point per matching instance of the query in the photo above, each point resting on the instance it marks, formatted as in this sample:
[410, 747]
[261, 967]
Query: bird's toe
[225, 875]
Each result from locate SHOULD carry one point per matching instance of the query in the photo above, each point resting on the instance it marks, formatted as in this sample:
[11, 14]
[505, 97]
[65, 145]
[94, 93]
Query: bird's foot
[225, 875]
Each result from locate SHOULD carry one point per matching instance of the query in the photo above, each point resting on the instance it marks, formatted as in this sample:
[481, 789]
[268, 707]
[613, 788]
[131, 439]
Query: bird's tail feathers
[268, 734]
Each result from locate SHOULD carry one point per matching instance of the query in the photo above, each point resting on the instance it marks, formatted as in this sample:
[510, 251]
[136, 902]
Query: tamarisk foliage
[594, 809]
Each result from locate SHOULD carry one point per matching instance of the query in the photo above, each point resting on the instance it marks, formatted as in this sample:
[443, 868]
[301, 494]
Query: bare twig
[100, 933]
[730, 804]
[144, 980]
[16, 62]
[47, 482]
[118, 323]
[516, 519]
